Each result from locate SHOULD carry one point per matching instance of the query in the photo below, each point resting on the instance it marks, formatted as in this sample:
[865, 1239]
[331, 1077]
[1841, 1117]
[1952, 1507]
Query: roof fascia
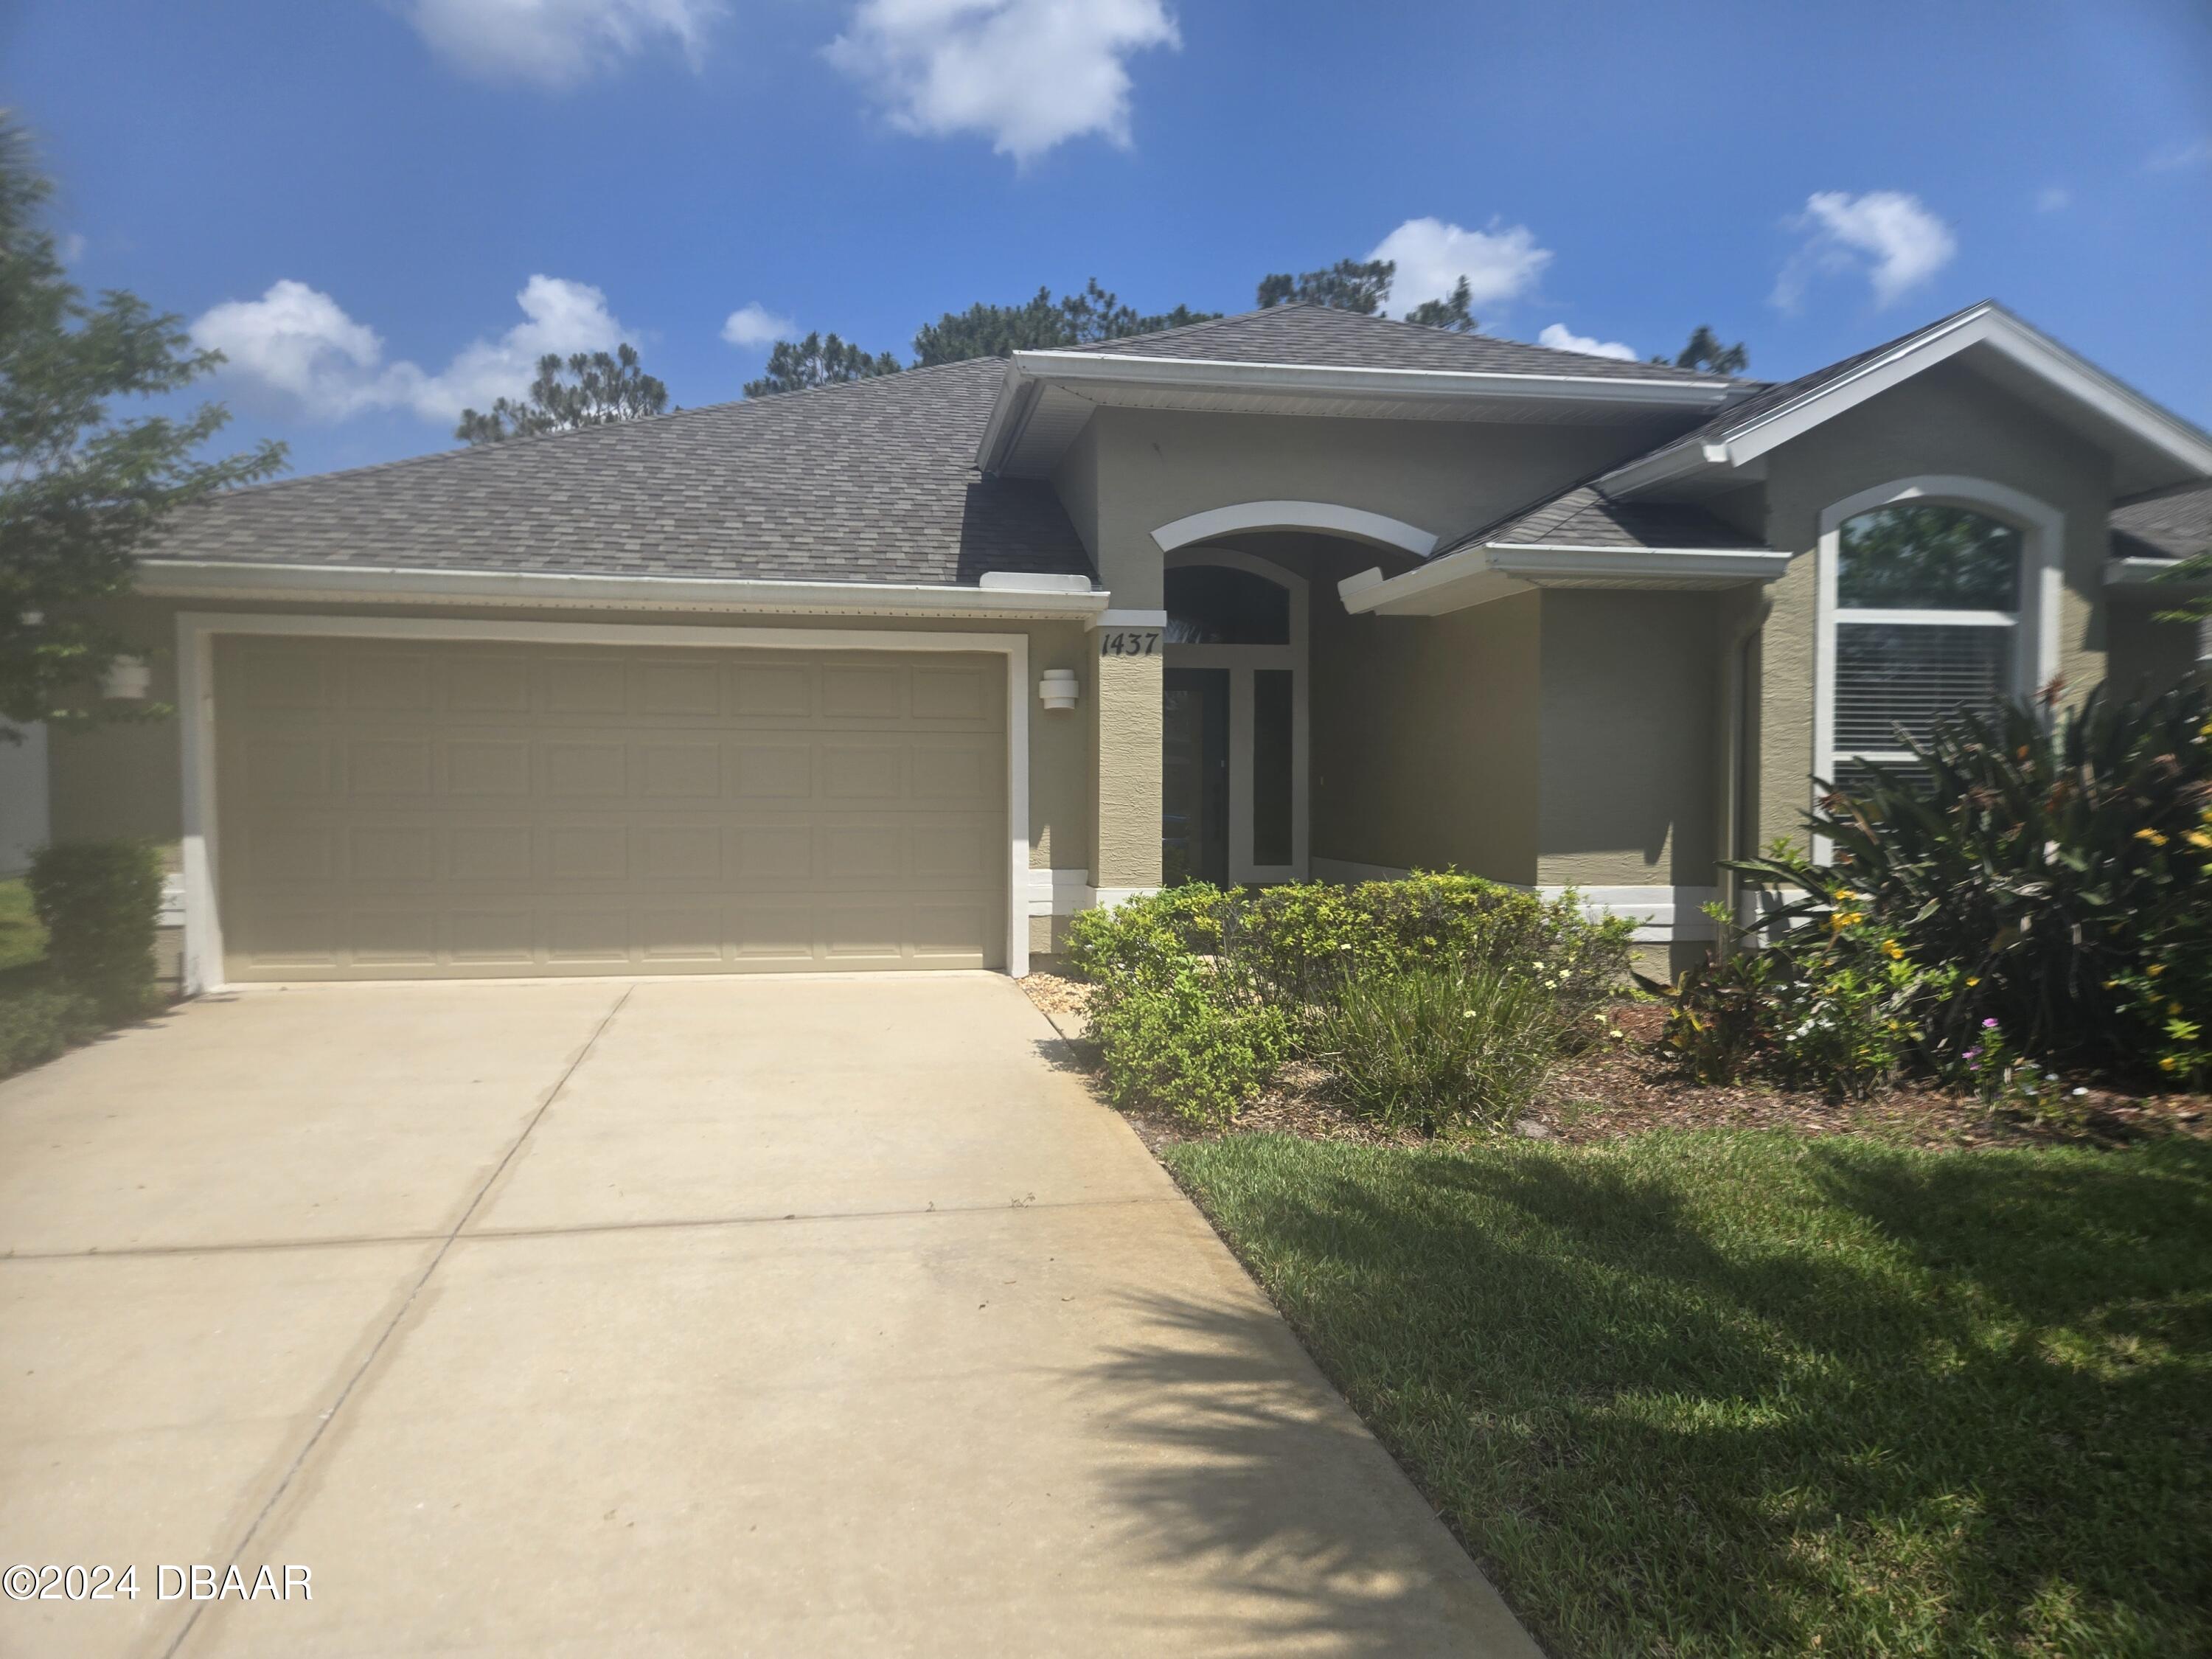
[1080, 368]
[1477, 575]
[1007, 594]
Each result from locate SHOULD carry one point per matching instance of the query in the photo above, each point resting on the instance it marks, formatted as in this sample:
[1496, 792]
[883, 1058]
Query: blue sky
[357, 198]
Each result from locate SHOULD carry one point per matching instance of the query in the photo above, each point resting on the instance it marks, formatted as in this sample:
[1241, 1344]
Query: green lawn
[1749, 1394]
[21, 939]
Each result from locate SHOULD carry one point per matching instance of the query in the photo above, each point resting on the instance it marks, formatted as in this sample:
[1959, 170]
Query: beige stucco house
[903, 673]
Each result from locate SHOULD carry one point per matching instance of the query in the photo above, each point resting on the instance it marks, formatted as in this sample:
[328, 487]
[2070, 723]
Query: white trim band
[1328, 517]
[1004, 595]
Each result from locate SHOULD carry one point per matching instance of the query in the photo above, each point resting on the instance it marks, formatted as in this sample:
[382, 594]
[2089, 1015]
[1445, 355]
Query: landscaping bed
[1633, 1087]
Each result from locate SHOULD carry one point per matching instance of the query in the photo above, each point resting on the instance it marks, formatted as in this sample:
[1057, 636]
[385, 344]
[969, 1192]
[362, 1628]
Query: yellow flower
[2155, 970]
[2169, 1063]
[1972, 980]
[2198, 838]
[2150, 835]
[1892, 950]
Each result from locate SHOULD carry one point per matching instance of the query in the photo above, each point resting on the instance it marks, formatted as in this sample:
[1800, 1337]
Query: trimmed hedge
[101, 901]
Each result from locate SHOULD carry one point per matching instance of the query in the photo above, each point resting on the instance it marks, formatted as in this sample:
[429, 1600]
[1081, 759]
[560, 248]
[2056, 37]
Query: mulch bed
[1629, 1088]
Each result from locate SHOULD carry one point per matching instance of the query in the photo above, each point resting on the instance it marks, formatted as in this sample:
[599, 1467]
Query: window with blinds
[1927, 623]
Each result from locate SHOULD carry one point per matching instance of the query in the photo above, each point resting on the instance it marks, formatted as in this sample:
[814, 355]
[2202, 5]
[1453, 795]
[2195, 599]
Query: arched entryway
[1234, 792]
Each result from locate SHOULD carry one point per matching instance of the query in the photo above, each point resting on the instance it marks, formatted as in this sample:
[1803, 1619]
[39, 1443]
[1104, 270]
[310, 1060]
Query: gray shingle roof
[2169, 527]
[1586, 517]
[873, 481]
[1324, 337]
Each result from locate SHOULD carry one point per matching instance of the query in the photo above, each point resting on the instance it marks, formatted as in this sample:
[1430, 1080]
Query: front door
[1233, 795]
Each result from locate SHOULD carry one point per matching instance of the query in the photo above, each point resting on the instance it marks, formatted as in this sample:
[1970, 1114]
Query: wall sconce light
[128, 679]
[1057, 690]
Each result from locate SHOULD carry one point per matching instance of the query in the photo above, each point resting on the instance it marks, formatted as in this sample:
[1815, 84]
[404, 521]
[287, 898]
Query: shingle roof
[1586, 516]
[873, 481]
[2169, 527]
[1322, 336]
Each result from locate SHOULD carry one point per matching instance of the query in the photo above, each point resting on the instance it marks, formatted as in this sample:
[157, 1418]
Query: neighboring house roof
[1323, 337]
[872, 482]
[2166, 527]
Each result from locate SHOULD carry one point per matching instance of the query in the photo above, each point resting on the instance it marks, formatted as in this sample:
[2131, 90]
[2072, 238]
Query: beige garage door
[391, 809]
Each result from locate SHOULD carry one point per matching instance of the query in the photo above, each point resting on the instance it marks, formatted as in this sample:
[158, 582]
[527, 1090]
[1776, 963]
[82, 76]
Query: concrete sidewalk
[752, 1316]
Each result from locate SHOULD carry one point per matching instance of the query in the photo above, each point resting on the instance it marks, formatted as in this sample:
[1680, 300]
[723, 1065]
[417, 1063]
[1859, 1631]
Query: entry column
[1127, 684]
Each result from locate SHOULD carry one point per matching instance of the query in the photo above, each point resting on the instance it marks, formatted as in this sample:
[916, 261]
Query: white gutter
[2136, 572]
[1477, 575]
[1001, 594]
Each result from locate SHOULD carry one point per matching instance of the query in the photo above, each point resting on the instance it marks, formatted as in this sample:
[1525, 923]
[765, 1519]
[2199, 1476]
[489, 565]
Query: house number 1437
[1129, 645]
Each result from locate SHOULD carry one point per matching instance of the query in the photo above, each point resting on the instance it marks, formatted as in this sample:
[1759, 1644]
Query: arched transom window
[1926, 620]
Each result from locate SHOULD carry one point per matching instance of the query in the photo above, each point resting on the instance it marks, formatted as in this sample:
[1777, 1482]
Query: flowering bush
[2051, 873]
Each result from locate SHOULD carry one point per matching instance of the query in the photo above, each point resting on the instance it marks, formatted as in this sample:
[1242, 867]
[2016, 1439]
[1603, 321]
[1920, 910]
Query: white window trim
[1328, 517]
[1241, 661]
[2042, 529]
[198, 630]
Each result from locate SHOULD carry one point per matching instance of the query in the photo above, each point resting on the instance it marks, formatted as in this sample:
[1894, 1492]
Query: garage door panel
[455, 809]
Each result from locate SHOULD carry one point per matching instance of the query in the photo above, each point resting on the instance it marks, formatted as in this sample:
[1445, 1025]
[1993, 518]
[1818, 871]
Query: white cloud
[299, 344]
[69, 246]
[555, 43]
[755, 324]
[1432, 256]
[2196, 154]
[1027, 73]
[1556, 336]
[2053, 198]
[1887, 234]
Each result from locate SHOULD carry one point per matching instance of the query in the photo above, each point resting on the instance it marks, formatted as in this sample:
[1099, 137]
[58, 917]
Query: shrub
[38, 1022]
[99, 902]
[1144, 938]
[1188, 1042]
[1431, 1049]
[1306, 942]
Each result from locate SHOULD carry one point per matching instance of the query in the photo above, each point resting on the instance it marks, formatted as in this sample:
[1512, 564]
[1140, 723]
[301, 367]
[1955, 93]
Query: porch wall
[1425, 738]
[1633, 741]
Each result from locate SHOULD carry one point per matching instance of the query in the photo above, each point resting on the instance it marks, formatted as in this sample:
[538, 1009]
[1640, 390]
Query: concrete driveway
[796, 1317]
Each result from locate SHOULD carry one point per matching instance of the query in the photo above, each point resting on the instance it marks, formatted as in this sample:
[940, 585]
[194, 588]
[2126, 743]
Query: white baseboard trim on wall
[1064, 892]
[1662, 914]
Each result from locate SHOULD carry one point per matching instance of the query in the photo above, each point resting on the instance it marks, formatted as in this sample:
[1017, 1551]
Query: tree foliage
[1452, 311]
[81, 490]
[1347, 285]
[818, 360]
[588, 389]
[1705, 351]
[1041, 324]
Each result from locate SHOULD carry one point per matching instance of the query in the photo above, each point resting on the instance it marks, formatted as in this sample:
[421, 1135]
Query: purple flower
[1972, 1054]
[1988, 1025]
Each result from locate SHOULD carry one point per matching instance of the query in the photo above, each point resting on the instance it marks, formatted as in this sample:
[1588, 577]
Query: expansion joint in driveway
[383, 1336]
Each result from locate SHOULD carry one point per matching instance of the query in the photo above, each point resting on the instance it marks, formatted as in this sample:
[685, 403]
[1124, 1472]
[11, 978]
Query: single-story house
[905, 672]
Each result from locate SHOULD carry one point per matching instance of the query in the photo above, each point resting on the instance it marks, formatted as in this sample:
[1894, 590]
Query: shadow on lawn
[1231, 1457]
[1935, 1405]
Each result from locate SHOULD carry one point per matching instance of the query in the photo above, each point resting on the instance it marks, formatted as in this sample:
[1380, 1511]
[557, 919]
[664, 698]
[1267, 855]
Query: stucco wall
[1425, 738]
[1632, 739]
[1153, 466]
[125, 781]
[1946, 421]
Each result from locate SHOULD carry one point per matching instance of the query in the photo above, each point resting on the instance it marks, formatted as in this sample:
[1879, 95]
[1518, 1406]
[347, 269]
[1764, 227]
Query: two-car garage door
[388, 809]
